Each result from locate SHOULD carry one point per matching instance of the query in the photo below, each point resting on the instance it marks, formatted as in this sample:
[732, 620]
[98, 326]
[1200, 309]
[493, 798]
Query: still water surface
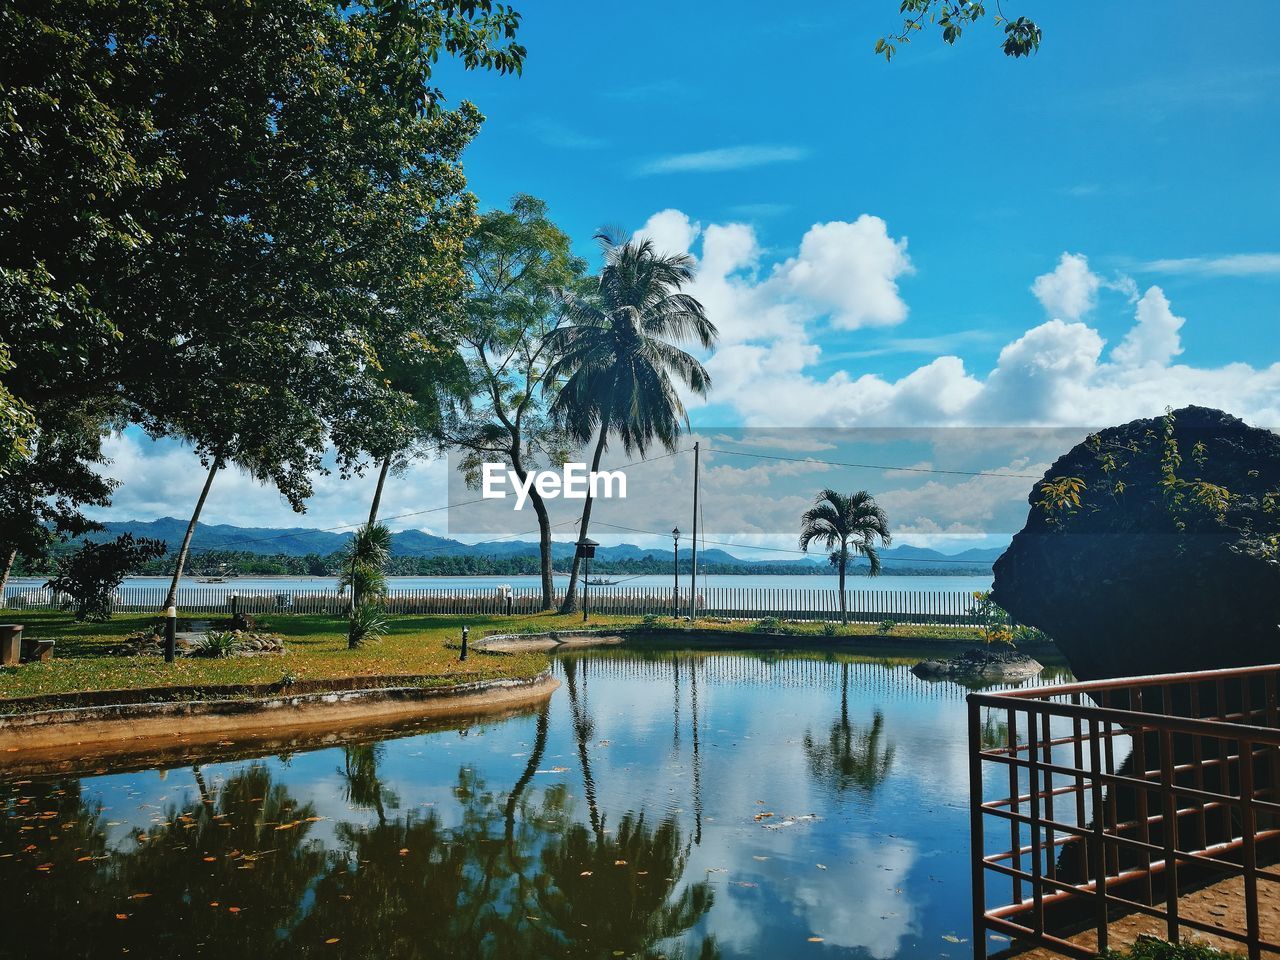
[678, 805]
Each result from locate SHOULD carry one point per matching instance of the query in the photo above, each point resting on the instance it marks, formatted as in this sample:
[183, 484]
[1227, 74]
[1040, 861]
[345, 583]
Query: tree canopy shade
[617, 368]
[520, 264]
[1021, 35]
[229, 218]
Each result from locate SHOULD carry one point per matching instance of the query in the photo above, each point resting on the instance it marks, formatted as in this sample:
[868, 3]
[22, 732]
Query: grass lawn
[414, 649]
[316, 650]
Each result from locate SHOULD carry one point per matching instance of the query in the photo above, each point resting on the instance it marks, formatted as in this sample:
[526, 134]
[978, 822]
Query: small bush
[1153, 948]
[216, 643]
[830, 630]
[368, 624]
[772, 625]
[885, 627]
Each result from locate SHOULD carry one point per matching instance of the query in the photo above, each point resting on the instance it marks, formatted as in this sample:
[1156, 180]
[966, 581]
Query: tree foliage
[90, 576]
[521, 264]
[1021, 34]
[230, 218]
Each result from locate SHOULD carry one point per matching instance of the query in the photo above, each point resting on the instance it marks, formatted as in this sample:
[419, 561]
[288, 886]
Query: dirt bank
[47, 737]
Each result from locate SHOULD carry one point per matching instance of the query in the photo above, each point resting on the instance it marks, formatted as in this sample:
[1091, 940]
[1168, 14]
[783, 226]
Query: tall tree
[520, 263]
[230, 207]
[618, 370]
[845, 523]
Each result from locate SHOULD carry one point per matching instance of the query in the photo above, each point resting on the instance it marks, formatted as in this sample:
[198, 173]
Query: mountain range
[301, 541]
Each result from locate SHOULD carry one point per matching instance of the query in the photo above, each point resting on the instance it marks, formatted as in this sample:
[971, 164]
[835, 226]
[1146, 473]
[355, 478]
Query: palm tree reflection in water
[850, 757]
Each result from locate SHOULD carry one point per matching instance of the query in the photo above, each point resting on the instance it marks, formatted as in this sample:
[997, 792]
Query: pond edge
[127, 725]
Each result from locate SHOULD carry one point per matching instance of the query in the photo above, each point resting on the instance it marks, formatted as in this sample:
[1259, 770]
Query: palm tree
[617, 369]
[362, 572]
[844, 523]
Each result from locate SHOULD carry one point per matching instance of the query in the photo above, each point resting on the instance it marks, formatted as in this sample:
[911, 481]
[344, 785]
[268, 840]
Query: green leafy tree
[520, 263]
[223, 215]
[42, 494]
[91, 575]
[950, 17]
[618, 370]
[844, 524]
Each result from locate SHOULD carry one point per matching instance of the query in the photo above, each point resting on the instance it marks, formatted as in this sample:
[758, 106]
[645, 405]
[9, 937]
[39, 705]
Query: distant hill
[301, 542]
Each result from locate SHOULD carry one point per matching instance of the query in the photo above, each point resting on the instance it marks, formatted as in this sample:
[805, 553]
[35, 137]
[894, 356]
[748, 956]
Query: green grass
[414, 647]
[316, 650]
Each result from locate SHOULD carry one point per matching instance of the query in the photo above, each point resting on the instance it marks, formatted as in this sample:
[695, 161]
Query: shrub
[216, 643]
[90, 576]
[368, 624]
[830, 630]
[771, 625]
[885, 627]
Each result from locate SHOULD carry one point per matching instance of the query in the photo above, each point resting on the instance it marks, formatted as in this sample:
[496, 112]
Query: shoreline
[112, 729]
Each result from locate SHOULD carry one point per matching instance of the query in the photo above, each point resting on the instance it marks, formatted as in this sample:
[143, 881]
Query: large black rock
[1147, 575]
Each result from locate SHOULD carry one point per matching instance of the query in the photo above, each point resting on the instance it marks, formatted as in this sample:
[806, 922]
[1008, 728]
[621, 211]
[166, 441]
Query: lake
[811, 582]
[660, 804]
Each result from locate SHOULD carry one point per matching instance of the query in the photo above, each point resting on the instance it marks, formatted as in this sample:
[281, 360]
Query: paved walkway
[1220, 905]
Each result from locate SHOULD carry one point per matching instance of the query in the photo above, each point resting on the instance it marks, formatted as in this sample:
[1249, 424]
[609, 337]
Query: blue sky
[951, 239]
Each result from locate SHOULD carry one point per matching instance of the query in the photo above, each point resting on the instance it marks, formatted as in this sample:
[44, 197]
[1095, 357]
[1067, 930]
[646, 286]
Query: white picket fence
[942, 607]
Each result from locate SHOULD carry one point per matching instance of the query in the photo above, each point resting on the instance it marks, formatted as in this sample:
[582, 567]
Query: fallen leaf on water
[821, 866]
[333, 940]
[139, 896]
[762, 816]
[404, 851]
[760, 858]
[585, 873]
[233, 909]
[210, 859]
[619, 863]
[952, 938]
[122, 916]
[815, 940]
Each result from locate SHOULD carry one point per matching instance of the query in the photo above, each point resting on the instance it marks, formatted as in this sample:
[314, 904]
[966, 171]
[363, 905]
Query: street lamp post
[586, 550]
[675, 573]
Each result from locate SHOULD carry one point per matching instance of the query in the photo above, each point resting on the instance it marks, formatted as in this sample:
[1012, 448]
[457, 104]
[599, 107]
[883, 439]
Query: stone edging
[128, 723]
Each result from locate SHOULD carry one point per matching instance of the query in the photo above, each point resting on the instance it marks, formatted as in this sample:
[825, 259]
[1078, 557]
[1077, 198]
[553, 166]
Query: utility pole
[693, 570]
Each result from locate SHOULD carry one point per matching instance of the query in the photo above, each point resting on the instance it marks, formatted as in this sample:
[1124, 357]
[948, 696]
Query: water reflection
[850, 757]
[658, 805]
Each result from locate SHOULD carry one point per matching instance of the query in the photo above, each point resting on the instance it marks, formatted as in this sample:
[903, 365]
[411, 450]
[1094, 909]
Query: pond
[660, 804]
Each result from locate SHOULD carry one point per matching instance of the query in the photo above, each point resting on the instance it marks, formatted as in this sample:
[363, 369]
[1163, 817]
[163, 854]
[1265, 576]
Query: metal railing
[922, 607]
[1120, 797]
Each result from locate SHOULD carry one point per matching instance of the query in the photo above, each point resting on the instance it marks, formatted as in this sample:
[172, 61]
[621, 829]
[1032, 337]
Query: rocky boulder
[977, 667]
[1151, 548]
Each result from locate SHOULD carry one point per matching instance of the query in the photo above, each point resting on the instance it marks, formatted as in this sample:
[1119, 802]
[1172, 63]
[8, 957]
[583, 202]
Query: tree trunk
[571, 594]
[544, 550]
[172, 598]
[844, 559]
[377, 491]
[544, 530]
[8, 569]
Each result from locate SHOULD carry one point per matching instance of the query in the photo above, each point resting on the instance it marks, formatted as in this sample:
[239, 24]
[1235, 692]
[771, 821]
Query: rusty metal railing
[1118, 797]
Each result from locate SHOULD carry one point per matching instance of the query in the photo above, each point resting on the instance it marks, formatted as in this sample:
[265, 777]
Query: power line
[876, 466]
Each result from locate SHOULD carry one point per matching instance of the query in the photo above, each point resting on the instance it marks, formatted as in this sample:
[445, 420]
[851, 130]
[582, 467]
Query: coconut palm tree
[617, 369]
[362, 572]
[845, 523]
